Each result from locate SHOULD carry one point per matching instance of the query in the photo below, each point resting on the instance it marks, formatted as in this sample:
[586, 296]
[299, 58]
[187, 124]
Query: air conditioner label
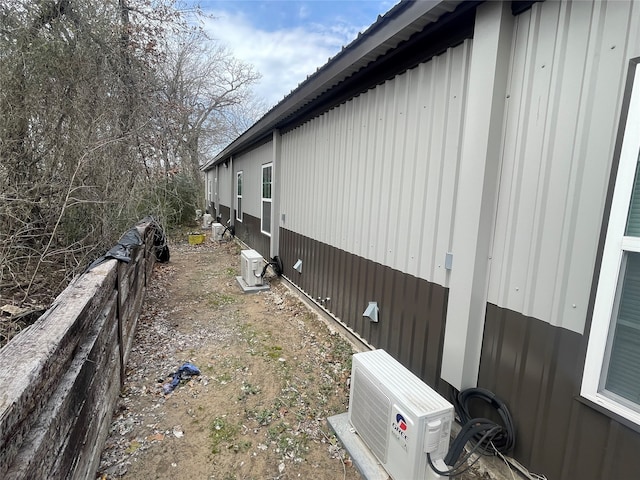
[400, 429]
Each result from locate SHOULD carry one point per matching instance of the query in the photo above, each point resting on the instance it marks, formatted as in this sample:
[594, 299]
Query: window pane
[633, 221]
[266, 182]
[240, 183]
[623, 373]
[266, 217]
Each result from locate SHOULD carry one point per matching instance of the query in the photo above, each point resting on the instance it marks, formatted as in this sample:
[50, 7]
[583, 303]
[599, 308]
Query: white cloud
[284, 57]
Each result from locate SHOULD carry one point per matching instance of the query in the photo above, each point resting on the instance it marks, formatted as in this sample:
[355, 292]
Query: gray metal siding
[569, 64]
[224, 189]
[251, 165]
[376, 176]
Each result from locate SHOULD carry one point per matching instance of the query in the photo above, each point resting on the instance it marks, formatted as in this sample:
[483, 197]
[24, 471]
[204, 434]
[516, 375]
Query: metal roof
[391, 29]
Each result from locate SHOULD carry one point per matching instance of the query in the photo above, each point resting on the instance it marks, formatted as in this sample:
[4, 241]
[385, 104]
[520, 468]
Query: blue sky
[286, 40]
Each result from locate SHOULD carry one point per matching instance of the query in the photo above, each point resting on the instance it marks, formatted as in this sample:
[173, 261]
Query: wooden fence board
[62, 375]
[34, 361]
[49, 438]
[76, 457]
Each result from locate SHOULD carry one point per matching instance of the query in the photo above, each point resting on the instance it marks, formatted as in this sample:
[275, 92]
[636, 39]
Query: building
[469, 166]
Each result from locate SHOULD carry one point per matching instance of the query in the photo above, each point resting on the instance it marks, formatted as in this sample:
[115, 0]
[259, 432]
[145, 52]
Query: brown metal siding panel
[249, 232]
[325, 282]
[420, 328]
[351, 303]
[225, 214]
[532, 366]
[361, 280]
[380, 330]
[412, 310]
[536, 369]
[333, 286]
[346, 288]
[589, 434]
[368, 269]
[312, 274]
[560, 388]
[623, 460]
[411, 320]
[399, 340]
[436, 316]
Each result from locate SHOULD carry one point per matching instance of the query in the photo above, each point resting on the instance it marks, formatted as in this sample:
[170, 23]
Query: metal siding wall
[536, 368]
[224, 188]
[412, 310]
[249, 232]
[376, 176]
[251, 165]
[209, 186]
[568, 69]
[225, 213]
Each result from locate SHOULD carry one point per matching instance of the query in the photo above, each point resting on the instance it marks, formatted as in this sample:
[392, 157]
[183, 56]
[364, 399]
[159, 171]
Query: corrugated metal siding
[376, 176]
[225, 213]
[210, 186]
[225, 193]
[412, 310]
[249, 232]
[536, 368]
[568, 70]
[251, 165]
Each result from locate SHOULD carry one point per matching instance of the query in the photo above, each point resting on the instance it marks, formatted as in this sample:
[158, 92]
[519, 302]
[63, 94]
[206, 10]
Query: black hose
[486, 436]
[276, 263]
[231, 229]
[462, 465]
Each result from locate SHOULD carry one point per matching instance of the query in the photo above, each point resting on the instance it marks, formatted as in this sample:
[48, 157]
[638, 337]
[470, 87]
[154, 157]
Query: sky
[286, 40]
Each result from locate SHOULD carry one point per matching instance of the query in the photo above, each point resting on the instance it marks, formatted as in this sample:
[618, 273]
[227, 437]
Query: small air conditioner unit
[251, 265]
[217, 229]
[399, 417]
[207, 220]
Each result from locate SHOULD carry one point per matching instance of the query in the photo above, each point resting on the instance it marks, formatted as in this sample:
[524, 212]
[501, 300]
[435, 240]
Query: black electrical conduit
[231, 229]
[486, 436]
[276, 263]
[228, 228]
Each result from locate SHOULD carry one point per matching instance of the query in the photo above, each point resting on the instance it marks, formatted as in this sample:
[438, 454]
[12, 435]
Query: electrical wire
[504, 440]
[486, 436]
[462, 464]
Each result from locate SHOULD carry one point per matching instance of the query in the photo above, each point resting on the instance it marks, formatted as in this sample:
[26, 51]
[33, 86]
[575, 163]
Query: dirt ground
[271, 373]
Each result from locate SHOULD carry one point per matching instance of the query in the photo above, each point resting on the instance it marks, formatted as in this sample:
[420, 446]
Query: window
[267, 173]
[612, 368]
[239, 196]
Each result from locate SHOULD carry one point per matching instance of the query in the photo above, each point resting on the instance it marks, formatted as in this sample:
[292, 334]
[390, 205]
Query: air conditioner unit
[251, 265]
[398, 416]
[207, 220]
[217, 229]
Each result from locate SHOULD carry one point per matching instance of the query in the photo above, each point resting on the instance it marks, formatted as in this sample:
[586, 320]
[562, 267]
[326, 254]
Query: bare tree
[203, 84]
[102, 120]
[76, 83]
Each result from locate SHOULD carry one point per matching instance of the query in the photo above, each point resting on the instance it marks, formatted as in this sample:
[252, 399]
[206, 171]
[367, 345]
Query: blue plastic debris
[187, 370]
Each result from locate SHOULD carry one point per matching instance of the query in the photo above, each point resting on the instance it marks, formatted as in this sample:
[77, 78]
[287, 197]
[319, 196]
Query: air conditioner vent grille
[371, 419]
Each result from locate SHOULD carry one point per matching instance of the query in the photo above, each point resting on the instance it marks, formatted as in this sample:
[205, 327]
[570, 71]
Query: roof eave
[396, 26]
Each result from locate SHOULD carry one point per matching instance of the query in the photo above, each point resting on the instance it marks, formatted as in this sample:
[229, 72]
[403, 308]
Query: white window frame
[264, 200]
[610, 270]
[239, 181]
